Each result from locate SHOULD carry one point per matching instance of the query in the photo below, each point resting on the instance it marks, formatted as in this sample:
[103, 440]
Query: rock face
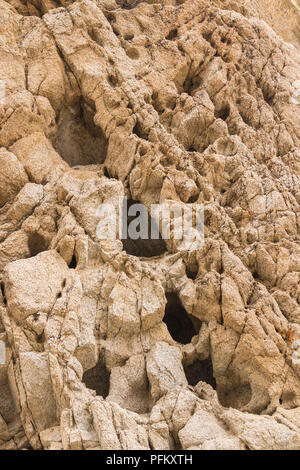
[112, 345]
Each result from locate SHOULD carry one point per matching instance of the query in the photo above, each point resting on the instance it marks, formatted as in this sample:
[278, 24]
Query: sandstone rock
[149, 344]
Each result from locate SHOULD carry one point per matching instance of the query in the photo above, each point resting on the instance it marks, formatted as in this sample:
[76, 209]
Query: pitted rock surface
[110, 346]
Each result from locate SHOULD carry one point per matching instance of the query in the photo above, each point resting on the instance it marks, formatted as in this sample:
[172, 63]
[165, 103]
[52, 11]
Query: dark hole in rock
[116, 31]
[128, 36]
[148, 247]
[97, 378]
[226, 59]
[193, 198]
[7, 407]
[255, 275]
[268, 94]
[288, 399]
[133, 53]
[172, 34]
[73, 263]
[113, 80]
[182, 326]
[78, 140]
[236, 397]
[137, 130]
[105, 172]
[36, 244]
[40, 338]
[192, 270]
[109, 16]
[200, 370]
[223, 113]
[127, 4]
[192, 83]
[3, 293]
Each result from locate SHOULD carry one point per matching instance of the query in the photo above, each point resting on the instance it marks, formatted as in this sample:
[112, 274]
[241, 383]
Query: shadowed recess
[79, 141]
[36, 244]
[236, 397]
[200, 370]
[97, 378]
[142, 247]
[182, 326]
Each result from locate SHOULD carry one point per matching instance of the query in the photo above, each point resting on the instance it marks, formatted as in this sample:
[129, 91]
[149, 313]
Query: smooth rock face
[109, 345]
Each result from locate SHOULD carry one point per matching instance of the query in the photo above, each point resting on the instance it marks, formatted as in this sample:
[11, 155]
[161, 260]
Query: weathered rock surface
[110, 346]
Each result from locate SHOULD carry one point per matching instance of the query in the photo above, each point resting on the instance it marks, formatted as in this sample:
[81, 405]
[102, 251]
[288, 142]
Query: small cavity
[2, 287]
[172, 34]
[145, 246]
[237, 397]
[73, 262]
[200, 370]
[36, 244]
[181, 326]
[97, 378]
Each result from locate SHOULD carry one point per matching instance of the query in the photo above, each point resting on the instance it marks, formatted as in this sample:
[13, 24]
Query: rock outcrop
[115, 345]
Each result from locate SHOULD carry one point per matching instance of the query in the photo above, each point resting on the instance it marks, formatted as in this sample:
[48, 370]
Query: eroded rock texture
[114, 348]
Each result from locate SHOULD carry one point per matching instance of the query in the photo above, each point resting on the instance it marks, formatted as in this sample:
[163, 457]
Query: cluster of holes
[227, 41]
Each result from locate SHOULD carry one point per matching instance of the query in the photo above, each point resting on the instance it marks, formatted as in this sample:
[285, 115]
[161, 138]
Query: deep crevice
[73, 263]
[106, 173]
[172, 34]
[200, 370]
[182, 326]
[191, 269]
[97, 378]
[3, 293]
[223, 113]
